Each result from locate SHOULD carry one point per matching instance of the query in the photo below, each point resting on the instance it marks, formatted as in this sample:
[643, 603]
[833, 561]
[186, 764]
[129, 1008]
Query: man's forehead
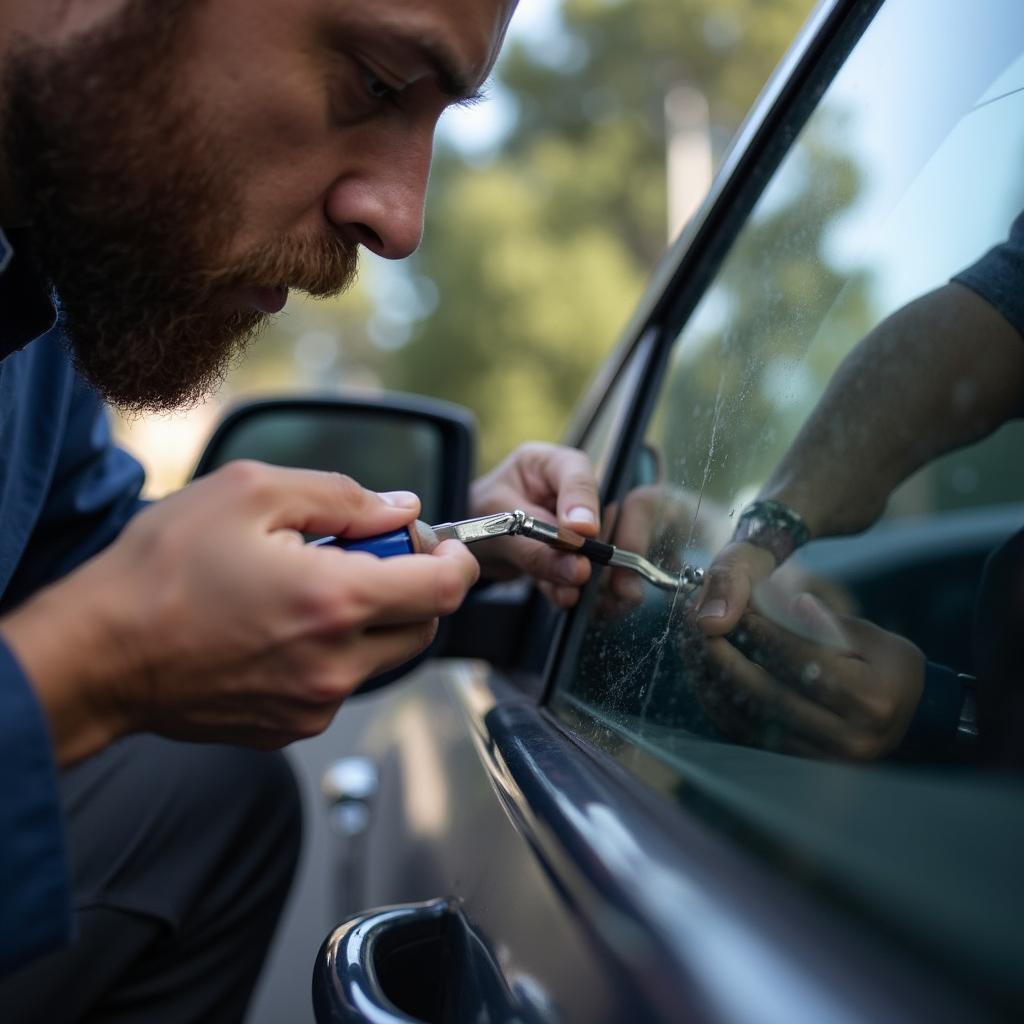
[464, 35]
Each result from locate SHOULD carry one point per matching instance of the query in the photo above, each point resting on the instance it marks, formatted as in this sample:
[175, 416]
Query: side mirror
[389, 442]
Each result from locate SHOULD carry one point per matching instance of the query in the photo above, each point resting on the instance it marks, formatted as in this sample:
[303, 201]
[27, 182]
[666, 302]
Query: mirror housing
[386, 442]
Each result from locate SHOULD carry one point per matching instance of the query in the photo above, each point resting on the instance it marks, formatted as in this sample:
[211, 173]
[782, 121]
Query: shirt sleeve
[94, 492]
[998, 277]
[35, 905]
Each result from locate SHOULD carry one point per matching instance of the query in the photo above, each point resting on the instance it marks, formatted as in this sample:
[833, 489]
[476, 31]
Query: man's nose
[381, 205]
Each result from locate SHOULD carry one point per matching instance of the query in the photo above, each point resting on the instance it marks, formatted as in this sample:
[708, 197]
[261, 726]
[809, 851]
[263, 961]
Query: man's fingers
[338, 665]
[556, 485]
[386, 591]
[559, 568]
[385, 648]
[537, 559]
[571, 477]
[311, 501]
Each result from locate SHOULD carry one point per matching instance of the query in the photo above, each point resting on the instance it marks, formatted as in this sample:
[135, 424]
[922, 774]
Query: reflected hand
[728, 584]
[740, 571]
[553, 483]
[656, 517]
[826, 687]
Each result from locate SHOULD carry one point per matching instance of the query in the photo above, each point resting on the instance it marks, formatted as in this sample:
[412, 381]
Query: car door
[563, 828]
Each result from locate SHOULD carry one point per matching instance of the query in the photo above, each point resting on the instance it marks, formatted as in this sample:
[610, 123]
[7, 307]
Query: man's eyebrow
[453, 80]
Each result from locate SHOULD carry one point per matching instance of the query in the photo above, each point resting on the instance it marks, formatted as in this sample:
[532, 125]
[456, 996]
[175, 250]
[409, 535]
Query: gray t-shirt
[998, 277]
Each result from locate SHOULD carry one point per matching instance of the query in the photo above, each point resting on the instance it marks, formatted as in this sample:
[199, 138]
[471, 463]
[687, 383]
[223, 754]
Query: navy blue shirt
[65, 492]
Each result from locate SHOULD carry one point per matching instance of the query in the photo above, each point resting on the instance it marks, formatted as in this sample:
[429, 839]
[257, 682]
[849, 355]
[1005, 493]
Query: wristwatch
[773, 526]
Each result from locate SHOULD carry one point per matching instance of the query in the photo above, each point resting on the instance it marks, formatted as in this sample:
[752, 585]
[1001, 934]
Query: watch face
[773, 526]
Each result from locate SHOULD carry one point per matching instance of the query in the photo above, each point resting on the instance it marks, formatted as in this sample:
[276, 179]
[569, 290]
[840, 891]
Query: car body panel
[484, 800]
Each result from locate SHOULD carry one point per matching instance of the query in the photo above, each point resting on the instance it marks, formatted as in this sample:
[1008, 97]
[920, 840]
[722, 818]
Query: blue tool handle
[384, 545]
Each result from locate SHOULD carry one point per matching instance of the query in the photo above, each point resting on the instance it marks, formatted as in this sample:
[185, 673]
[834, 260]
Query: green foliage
[540, 255]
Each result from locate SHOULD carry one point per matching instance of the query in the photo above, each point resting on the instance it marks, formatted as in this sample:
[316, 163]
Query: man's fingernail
[400, 499]
[713, 609]
[567, 569]
[582, 515]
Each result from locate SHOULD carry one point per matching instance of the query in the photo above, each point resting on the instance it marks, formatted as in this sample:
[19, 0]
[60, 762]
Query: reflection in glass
[826, 718]
[905, 175]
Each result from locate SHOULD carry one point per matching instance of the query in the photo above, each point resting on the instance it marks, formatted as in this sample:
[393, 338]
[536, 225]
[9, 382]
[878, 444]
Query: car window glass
[837, 721]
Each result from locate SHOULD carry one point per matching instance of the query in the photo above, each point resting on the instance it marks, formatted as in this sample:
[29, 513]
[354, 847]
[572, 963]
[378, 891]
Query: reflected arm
[940, 373]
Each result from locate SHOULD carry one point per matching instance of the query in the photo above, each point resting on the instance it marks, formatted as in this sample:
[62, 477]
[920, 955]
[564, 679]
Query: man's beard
[133, 206]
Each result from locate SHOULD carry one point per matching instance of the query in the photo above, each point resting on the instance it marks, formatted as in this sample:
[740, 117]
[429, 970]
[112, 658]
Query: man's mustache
[321, 267]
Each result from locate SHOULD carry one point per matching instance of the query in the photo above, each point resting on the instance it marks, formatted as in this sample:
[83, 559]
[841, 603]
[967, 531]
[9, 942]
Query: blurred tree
[540, 254]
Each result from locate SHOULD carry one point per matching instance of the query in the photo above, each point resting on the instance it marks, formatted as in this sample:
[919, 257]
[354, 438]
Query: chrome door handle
[358, 971]
[416, 963]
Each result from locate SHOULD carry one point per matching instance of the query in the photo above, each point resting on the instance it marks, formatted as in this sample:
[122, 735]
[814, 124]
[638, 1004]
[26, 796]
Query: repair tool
[420, 538]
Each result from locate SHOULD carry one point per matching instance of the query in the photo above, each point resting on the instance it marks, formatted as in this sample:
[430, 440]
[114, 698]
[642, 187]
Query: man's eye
[378, 88]
[355, 92]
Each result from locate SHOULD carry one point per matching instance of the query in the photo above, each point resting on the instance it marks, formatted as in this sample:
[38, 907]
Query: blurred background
[550, 203]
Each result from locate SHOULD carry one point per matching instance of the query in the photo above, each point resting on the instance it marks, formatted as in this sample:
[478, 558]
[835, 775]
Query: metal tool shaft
[420, 538]
[606, 554]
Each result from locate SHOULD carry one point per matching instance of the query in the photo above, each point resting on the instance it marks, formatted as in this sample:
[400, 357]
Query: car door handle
[416, 963]
[355, 979]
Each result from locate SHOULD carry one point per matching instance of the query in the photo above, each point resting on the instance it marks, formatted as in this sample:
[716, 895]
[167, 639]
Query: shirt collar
[26, 310]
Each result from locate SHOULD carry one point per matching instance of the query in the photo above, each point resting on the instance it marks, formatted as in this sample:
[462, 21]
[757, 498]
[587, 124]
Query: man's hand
[553, 483]
[211, 619]
[822, 686]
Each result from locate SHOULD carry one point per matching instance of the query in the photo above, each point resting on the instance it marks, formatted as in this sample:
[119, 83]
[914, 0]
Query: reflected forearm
[942, 372]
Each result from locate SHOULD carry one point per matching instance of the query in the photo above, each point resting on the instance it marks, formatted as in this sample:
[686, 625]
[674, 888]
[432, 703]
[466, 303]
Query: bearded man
[168, 170]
